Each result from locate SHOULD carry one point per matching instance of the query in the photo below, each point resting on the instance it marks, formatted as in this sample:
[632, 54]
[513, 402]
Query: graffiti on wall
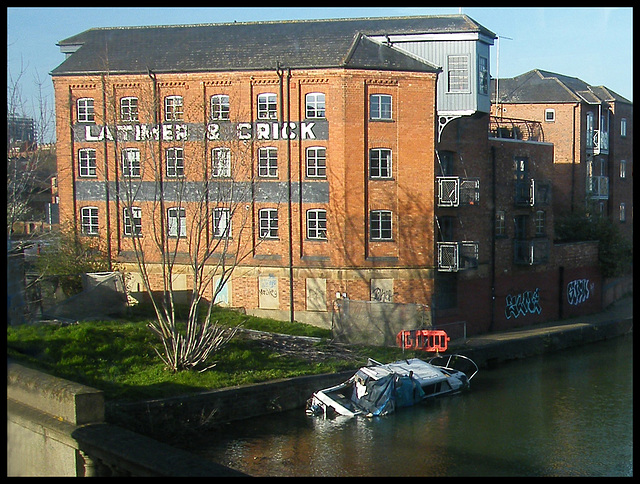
[527, 302]
[579, 291]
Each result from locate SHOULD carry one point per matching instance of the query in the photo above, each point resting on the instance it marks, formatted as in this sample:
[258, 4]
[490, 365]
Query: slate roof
[538, 86]
[254, 46]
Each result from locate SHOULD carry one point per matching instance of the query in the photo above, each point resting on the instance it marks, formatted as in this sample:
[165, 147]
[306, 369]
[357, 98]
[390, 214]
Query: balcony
[598, 187]
[598, 142]
[517, 129]
[454, 191]
[533, 193]
[531, 252]
[457, 256]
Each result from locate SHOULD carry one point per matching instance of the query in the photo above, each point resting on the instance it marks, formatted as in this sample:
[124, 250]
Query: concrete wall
[56, 427]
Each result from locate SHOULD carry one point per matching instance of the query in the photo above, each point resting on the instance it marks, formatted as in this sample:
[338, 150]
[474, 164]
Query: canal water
[566, 414]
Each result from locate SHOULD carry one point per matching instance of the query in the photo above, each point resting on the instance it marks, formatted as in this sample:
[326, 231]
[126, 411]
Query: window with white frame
[380, 163]
[623, 212]
[131, 162]
[86, 110]
[177, 222]
[220, 106]
[316, 162]
[458, 73]
[220, 162]
[175, 162]
[623, 168]
[483, 75]
[87, 162]
[315, 107]
[132, 220]
[221, 222]
[268, 223]
[173, 108]
[267, 106]
[550, 115]
[129, 109]
[623, 128]
[268, 162]
[380, 225]
[317, 224]
[89, 220]
[380, 107]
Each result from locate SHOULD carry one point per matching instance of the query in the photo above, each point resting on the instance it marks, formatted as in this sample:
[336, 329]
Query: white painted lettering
[213, 131]
[244, 131]
[167, 132]
[181, 132]
[306, 131]
[262, 130]
[88, 136]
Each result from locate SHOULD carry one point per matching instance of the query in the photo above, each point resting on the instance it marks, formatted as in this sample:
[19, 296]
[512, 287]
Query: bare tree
[195, 200]
[30, 165]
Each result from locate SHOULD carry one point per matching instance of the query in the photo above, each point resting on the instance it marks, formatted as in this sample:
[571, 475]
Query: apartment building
[591, 128]
[339, 158]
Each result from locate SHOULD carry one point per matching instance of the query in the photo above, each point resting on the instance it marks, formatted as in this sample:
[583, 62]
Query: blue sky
[593, 44]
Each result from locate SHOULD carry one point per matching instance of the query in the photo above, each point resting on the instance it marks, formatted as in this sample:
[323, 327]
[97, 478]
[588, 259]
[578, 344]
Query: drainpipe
[280, 72]
[493, 238]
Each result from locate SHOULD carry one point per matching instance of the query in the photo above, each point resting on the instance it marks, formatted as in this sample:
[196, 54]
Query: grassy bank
[118, 357]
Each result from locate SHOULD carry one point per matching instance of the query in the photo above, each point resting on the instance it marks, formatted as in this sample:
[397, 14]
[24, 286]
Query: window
[380, 106]
[521, 222]
[175, 162]
[268, 162]
[89, 220]
[87, 162]
[132, 218]
[85, 110]
[221, 222]
[173, 109]
[380, 163]
[500, 226]
[267, 106]
[623, 169]
[315, 105]
[316, 162]
[539, 220]
[268, 220]
[623, 128]
[458, 73]
[129, 109]
[483, 75]
[445, 159]
[589, 131]
[221, 162]
[380, 225]
[220, 106]
[131, 162]
[549, 115]
[317, 224]
[177, 222]
[623, 212]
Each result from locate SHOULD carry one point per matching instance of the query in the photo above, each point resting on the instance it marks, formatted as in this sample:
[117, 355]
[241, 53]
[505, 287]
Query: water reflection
[568, 414]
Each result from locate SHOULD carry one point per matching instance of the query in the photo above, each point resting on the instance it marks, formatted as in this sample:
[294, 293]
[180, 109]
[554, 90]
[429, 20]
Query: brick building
[337, 157]
[591, 128]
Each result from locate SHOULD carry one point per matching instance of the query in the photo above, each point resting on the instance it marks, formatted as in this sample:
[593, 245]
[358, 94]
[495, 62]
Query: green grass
[118, 357]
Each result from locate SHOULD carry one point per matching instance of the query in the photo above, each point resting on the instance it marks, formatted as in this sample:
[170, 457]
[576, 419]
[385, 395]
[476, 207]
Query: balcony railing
[531, 251]
[598, 187]
[512, 128]
[533, 193]
[598, 142]
[454, 191]
[457, 256]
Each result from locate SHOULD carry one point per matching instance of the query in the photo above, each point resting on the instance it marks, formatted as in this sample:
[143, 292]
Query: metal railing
[513, 128]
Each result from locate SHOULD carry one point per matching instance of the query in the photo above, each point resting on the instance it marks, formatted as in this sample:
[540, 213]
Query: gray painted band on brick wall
[174, 191]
